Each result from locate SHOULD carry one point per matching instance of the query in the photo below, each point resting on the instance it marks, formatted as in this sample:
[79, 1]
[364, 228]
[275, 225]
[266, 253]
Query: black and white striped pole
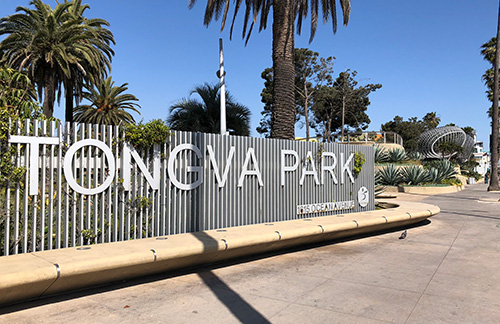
[221, 75]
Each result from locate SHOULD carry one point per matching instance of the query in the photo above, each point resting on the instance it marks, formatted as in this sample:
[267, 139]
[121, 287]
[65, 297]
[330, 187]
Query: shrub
[146, 135]
[359, 160]
[452, 181]
[389, 176]
[472, 174]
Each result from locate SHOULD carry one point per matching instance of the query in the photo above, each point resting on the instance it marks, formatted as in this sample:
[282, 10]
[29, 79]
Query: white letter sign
[190, 168]
[34, 155]
[345, 167]
[245, 172]
[285, 168]
[309, 160]
[68, 170]
[329, 168]
[154, 181]
[211, 153]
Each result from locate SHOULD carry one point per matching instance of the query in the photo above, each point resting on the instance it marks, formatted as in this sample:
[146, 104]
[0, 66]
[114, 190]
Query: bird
[403, 235]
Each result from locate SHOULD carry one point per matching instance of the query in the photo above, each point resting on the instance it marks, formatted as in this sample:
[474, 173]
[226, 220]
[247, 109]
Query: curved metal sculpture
[430, 139]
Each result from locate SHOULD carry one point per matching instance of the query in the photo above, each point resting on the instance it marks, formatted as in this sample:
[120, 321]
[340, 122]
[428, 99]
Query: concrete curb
[39, 274]
[423, 190]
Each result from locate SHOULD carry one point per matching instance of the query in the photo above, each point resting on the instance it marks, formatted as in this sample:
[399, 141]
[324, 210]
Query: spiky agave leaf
[415, 175]
[445, 170]
[389, 176]
[415, 156]
[380, 154]
[397, 155]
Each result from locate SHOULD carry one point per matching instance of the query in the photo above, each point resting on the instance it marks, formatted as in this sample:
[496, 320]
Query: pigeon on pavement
[403, 235]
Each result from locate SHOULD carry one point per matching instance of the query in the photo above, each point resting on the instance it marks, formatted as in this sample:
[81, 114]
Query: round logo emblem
[363, 197]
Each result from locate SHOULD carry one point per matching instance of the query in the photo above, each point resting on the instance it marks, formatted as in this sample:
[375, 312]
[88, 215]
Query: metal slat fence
[217, 181]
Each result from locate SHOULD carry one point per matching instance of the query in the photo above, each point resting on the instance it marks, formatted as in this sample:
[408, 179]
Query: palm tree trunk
[283, 115]
[49, 95]
[494, 186]
[69, 101]
[306, 110]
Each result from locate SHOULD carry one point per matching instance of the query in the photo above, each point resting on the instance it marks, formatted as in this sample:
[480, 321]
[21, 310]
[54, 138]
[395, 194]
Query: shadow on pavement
[470, 215]
[220, 289]
[233, 301]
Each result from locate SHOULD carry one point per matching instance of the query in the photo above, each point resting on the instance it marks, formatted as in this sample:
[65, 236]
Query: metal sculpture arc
[429, 141]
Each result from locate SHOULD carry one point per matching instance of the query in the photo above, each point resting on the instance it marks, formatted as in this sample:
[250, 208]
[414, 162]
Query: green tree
[191, 114]
[341, 104]
[284, 15]
[17, 94]
[267, 98]
[109, 105]
[56, 46]
[311, 71]
[469, 131]
[431, 120]
[94, 68]
[449, 149]
[411, 129]
[488, 52]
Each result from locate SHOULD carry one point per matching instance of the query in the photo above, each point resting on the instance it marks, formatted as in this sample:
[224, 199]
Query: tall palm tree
[494, 185]
[92, 68]
[191, 114]
[285, 12]
[56, 46]
[490, 51]
[108, 105]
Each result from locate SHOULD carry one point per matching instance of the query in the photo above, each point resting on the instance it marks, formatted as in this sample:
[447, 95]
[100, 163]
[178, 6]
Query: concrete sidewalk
[445, 271]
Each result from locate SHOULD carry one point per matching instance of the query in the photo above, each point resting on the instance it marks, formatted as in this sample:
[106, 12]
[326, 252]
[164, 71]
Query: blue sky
[425, 56]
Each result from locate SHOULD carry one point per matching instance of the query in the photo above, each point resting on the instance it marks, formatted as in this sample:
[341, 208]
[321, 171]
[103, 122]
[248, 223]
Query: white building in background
[481, 156]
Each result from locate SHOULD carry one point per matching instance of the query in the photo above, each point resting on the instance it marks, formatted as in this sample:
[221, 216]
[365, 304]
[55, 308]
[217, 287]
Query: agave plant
[434, 176]
[443, 170]
[415, 175]
[380, 154]
[389, 176]
[415, 156]
[397, 155]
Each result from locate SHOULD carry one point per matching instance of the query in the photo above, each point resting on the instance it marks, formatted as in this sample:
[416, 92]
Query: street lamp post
[221, 74]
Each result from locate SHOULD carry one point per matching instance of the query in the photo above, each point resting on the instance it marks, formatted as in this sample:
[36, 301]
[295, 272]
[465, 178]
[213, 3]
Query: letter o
[68, 170]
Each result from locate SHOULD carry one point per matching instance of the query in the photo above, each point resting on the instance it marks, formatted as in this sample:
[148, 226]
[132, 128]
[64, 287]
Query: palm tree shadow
[232, 300]
[241, 309]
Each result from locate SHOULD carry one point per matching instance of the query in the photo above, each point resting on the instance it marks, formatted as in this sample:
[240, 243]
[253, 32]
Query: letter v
[211, 153]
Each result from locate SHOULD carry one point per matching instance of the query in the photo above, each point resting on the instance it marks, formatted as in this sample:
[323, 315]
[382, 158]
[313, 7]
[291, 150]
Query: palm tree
[204, 116]
[56, 46]
[285, 12]
[108, 105]
[93, 68]
[490, 51]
